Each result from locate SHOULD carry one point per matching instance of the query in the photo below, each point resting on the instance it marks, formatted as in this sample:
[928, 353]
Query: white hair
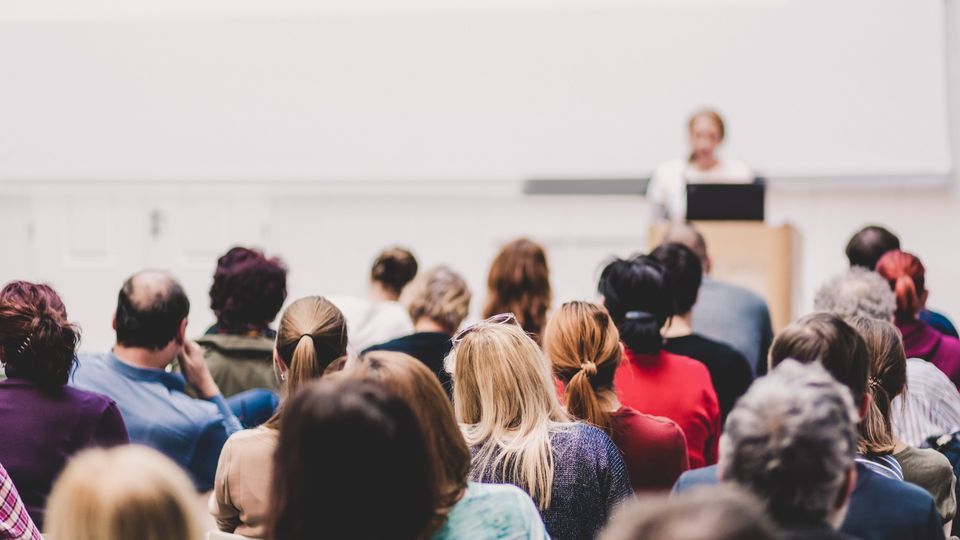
[791, 439]
[857, 293]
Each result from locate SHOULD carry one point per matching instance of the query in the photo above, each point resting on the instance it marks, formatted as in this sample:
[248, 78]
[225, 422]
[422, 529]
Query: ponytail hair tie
[588, 368]
[873, 382]
[637, 315]
[305, 336]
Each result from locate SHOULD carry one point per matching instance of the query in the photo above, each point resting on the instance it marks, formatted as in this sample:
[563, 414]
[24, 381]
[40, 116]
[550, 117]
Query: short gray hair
[791, 440]
[439, 294]
[857, 293]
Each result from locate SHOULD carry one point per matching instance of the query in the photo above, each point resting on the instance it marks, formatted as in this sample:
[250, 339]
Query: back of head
[718, 512]
[440, 295]
[311, 336]
[414, 383]
[125, 493]
[887, 380]
[828, 339]
[684, 274]
[519, 283]
[248, 290]
[350, 463]
[791, 441]
[869, 244]
[393, 269]
[856, 293]
[37, 342]
[583, 345]
[151, 308]
[637, 296]
[688, 235]
[503, 392]
[906, 276]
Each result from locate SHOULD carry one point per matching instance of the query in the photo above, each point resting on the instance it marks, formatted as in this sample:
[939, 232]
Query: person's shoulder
[737, 170]
[656, 430]
[882, 491]
[670, 169]
[705, 476]
[88, 400]
[742, 295]
[688, 366]
[588, 438]
[929, 458]
[245, 439]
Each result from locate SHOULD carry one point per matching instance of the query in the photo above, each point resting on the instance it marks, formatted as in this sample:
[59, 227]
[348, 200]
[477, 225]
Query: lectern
[754, 255]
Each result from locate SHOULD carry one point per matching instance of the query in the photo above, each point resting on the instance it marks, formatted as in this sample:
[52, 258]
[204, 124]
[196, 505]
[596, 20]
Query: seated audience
[726, 312]
[729, 370]
[791, 440]
[906, 275]
[519, 283]
[650, 379]
[721, 512]
[930, 404]
[881, 507]
[865, 249]
[311, 339]
[438, 301]
[151, 324]
[45, 421]
[350, 463]
[926, 468]
[584, 347]
[506, 402]
[127, 493]
[464, 509]
[380, 317]
[247, 293]
[15, 522]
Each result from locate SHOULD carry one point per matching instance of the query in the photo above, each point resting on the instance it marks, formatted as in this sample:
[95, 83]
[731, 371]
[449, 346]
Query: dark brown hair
[248, 290]
[887, 380]
[394, 268]
[519, 283]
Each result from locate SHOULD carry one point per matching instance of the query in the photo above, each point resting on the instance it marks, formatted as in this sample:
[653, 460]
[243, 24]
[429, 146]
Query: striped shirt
[15, 523]
[883, 465]
[929, 407]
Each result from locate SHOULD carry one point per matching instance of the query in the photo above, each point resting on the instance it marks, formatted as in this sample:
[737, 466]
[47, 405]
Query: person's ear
[707, 265]
[276, 360]
[846, 489]
[182, 332]
[923, 299]
[113, 322]
[864, 406]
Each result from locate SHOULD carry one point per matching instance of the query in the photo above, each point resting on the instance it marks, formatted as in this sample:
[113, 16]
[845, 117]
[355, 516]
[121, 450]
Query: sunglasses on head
[500, 318]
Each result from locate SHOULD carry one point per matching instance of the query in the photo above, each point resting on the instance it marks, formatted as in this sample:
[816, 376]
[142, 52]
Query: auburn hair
[583, 345]
[906, 276]
[519, 283]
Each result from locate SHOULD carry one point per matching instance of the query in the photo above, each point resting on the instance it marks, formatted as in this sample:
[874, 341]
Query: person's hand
[196, 371]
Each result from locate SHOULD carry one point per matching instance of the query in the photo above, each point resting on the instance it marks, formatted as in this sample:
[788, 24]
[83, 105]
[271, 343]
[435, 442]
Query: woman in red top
[651, 380]
[584, 347]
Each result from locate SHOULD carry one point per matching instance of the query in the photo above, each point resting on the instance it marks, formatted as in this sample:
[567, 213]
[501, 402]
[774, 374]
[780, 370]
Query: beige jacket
[241, 490]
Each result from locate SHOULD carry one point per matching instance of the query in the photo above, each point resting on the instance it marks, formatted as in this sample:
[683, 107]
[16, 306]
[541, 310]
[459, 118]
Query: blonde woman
[518, 433]
[584, 347]
[464, 509]
[311, 340]
[126, 493]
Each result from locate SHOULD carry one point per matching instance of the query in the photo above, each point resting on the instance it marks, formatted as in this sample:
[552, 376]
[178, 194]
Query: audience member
[380, 317]
[881, 508]
[519, 283]
[729, 370]
[791, 440]
[584, 347]
[465, 509]
[505, 399]
[45, 421]
[726, 312]
[247, 293]
[438, 301]
[15, 522]
[311, 340]
[350, 463]
[721, 512]
[926, 468]
[865, 249]
[650, 379]
[127, 493]
[906, 275]
[930, 404]
[151, 323]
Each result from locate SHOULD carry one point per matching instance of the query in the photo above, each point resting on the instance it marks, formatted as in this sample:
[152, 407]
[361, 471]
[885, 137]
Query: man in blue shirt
[150, 323]
[881, 508]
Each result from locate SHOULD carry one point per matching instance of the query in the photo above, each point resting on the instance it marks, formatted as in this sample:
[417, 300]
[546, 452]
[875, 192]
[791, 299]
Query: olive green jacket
[240, 363]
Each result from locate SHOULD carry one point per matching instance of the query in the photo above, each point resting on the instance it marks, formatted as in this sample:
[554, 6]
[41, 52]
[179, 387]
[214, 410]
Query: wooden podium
[754, 255]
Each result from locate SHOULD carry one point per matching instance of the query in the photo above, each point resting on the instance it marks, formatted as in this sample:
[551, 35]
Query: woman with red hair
[905, 273]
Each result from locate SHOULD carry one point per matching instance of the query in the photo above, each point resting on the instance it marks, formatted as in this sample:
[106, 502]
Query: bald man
[151, 323]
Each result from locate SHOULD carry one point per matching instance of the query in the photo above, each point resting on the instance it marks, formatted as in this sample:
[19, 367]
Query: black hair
[351, 462]
[394, 268]
[684, 274]
[154, 324]
[635, 293]
[869, 244]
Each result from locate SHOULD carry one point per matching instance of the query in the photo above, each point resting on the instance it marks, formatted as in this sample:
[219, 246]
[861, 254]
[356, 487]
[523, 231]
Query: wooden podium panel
[754, 255]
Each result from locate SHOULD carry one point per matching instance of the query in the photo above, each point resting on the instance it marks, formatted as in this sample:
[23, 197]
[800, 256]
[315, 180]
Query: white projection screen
[465, 90]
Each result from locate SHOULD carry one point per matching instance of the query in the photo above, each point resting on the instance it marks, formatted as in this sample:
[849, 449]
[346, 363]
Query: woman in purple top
[45, 422]
[906, 276]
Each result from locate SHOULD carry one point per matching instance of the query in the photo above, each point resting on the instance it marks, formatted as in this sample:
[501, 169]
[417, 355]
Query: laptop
[726, 202]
